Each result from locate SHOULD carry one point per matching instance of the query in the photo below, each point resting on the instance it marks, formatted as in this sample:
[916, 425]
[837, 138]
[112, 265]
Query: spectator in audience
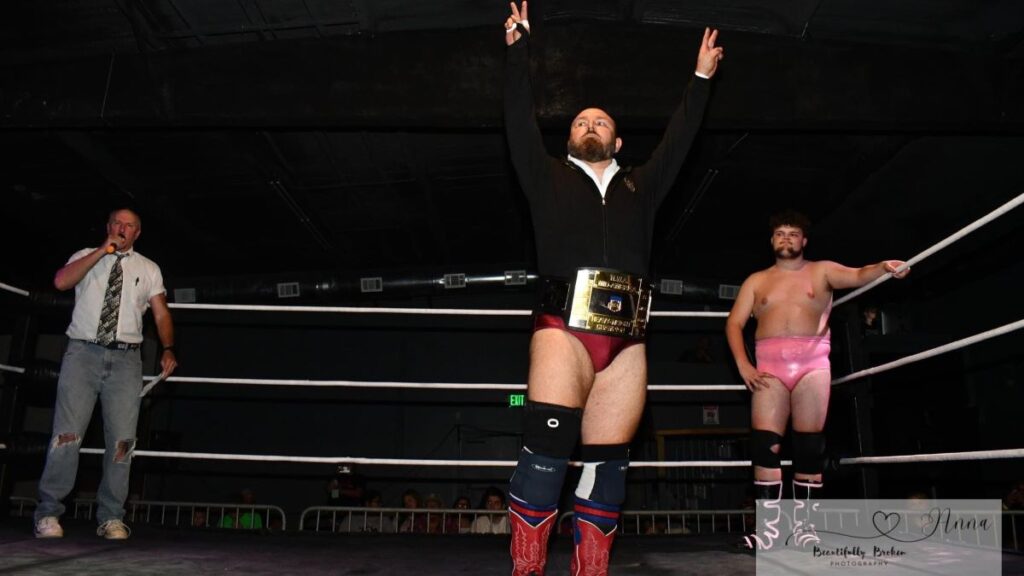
[366, 520]
[496, 522]
[412, 521]
[700, 353]
[376, 521]
[871, 321]
[434, 520]
[244, 516]
[199, 518]
[460, 523]
[918, 510]
[748, 503]
[1014, 500]
[346, 488]
[1013, 524]
[653, 525]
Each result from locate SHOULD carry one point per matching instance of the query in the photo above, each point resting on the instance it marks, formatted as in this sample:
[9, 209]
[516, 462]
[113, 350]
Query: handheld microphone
[112, 247]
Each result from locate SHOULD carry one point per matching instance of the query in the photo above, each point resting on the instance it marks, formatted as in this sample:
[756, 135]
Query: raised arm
[72, 273]
[840, 277]
[742, 308]
[525, 142]
[668, 157]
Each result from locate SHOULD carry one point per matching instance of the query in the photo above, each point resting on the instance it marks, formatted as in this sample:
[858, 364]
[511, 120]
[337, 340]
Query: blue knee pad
[537, 481]
[808, 452]
[604, 473]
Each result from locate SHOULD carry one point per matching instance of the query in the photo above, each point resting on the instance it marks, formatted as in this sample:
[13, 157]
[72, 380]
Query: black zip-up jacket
[574, 227]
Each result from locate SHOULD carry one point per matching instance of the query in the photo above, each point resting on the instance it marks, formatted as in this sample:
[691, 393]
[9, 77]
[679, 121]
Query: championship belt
[601, 301]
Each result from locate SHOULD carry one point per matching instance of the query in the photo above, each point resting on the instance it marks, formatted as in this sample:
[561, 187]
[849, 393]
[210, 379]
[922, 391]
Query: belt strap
[116, 345]
[555, 296]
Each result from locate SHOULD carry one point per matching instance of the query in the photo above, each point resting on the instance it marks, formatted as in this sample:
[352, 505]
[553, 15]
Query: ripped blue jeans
[88, 372]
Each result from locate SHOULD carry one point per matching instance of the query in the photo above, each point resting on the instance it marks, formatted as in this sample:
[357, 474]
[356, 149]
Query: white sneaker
[113, 530]
[49, 527]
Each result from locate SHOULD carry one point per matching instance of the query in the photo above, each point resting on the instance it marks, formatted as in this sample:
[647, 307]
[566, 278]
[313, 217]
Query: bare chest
[791, 292]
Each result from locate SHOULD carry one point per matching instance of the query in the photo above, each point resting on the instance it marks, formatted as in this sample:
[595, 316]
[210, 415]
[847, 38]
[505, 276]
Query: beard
[787, 253]
[591, 149]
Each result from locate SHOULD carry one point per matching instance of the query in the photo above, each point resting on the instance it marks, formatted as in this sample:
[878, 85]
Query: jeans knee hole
[124, 450]
[65, 439]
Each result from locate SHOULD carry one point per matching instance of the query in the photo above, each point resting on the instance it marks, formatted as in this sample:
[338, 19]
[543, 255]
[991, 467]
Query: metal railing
[22, 506]
[340, 519]
[648, 522]
[346, 519]
[1012, 535]
[651, 522]
[195, 514]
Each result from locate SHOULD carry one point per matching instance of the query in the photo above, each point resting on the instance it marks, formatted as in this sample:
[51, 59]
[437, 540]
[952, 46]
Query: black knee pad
[761, 442]
[808, 452]
[604, 473]
[551, 430]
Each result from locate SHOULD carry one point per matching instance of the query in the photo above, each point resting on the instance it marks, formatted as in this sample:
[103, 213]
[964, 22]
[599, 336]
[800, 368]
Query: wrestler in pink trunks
[790, 358]
[602, 349]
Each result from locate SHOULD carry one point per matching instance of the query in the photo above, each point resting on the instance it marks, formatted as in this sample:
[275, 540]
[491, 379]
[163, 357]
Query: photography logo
[884, 537]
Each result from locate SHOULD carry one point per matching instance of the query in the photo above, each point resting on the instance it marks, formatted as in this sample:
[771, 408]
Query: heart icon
[887, 518]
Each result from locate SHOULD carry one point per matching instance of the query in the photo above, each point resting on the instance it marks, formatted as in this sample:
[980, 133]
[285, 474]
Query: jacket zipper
[604, 204]
[604, 230]
[604, 212]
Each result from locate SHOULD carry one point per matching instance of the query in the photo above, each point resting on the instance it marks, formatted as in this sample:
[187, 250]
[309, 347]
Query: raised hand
[518, 16]
[115, 241]
[709, 55]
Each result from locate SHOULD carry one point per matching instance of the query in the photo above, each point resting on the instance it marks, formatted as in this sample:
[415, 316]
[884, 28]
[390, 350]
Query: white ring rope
[939, 246]
[940, 457]
[346, 383]
[15, 369]
[956, 345]
[689, 314]
[415, 385]
[354, 309]
[10, 288]
[418, 311]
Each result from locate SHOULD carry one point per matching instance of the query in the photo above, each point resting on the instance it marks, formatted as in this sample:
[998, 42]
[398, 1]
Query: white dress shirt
[142, 281]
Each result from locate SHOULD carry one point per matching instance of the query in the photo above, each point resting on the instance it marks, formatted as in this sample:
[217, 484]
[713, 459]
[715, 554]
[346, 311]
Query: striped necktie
[107, 331]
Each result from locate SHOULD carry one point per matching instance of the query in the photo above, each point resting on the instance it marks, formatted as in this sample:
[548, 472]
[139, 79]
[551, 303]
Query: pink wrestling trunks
[790, 358]
[602, 349]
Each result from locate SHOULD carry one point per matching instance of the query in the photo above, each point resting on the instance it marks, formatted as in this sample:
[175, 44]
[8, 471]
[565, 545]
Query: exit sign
[516, 400]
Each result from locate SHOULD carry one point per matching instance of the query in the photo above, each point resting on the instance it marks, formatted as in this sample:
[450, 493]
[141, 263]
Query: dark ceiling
[261, 137]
